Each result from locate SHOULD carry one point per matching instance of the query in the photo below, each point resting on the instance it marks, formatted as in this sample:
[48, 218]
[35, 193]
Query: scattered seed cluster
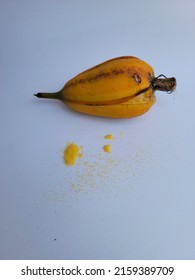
[72, 151]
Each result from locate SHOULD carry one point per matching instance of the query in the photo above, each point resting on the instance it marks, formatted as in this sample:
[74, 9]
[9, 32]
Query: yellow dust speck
[108, 137]
[71, 153]
[107, 148]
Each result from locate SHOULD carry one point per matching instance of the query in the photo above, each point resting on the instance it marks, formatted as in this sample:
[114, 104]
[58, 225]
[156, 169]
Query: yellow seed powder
[108, 137]
[71, 153]
[107, 148]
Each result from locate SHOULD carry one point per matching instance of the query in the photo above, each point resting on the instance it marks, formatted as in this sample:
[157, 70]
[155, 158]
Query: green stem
[54, 95]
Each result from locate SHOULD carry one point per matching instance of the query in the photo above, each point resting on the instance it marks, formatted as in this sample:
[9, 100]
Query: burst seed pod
[122, 87]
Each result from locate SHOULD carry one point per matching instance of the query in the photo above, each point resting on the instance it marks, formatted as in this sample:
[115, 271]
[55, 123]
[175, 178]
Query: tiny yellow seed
[108, 137]
[71, 153]
[107, 148]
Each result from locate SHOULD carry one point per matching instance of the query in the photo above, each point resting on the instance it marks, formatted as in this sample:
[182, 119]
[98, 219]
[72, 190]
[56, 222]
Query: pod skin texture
[122, 87]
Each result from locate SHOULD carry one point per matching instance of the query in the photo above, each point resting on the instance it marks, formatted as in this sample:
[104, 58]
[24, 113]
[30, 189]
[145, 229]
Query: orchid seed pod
[122, 87]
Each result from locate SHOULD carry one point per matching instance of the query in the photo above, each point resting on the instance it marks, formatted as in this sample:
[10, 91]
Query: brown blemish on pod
[137, 78]
[103, 75]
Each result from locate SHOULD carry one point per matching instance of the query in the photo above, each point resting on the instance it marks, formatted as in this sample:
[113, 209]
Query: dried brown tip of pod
[163, 83]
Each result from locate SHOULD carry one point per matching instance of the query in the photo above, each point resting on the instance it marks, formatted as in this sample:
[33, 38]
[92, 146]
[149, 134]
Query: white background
[137, 202]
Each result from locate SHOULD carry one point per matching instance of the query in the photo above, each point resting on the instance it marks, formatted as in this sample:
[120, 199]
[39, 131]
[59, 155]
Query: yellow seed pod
[122, 87]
